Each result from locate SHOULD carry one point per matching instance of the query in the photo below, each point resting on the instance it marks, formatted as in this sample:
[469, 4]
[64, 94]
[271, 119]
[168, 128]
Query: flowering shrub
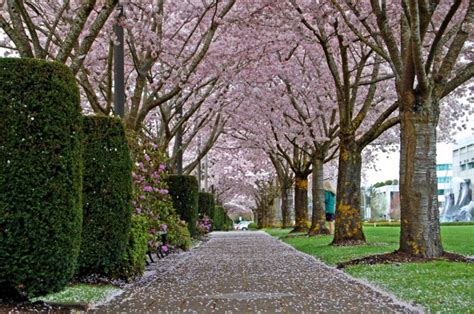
[204, 225]
[151, 197]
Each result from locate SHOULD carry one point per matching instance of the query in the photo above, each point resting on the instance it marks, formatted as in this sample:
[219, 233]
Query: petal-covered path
[249, 272]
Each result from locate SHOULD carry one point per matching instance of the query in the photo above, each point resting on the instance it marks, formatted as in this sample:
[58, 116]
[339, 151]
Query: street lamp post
[119, 69]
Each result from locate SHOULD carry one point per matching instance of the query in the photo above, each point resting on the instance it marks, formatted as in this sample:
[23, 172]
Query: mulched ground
[400, 257]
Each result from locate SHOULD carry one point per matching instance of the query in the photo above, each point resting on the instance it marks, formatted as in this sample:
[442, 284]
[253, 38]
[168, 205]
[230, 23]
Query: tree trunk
[301, 203]
[348, 222]
[285, 205]
[318, 219]
[261, 217]
[420, 229]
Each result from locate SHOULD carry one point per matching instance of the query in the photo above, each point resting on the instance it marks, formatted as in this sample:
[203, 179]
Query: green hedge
[185, 195]
[206, 203]
[218, 218]
[134, 256]
[107, 196]
[253, 226]
[228, 223]
[40, 177]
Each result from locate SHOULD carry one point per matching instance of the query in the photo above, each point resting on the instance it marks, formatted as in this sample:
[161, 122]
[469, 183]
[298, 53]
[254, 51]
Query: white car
[243, 225]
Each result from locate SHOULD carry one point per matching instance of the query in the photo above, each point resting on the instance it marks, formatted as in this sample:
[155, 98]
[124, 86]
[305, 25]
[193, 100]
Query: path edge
[410, 306]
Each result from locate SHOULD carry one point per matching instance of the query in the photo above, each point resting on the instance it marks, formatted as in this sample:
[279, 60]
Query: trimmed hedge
[40, 177]
[229, 224]
[185, 195]
[206, 203]
[107, 194]
[218, 218]
[253, 226]
[134, 256]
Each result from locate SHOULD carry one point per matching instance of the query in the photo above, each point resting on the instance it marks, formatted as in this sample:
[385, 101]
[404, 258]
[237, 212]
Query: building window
[463, 167]
[444, 167]
[470, 165]
[455, 152]
[441, 192]
[444, 179]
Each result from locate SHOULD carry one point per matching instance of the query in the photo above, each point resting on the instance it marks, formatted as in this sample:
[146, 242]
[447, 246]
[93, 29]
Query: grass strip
[438, 286]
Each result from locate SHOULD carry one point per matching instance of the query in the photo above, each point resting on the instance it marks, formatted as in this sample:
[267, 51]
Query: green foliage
[218, 218]
[184, 192]
[253, 226]
[384, 183]
[134, 256]
[149, 180]
[228, 223]
[151, 194]
[206, 203]
[40, 176]
[107, 196]
[178, 233]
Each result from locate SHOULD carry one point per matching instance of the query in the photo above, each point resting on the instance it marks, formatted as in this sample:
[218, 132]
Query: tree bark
[285, 205]
[348, 223]
[301, 203]
[318, 219]
[420, 228]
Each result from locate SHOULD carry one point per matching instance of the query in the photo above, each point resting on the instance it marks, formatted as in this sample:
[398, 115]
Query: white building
[444, 172]
[385, 203]
[463, 159]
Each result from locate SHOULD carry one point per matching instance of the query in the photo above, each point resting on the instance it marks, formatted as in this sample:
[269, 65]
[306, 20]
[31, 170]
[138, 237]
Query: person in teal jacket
[330, 205]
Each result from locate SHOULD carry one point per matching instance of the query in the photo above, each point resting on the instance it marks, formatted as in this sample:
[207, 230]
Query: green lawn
[83, 294]
[437, 286]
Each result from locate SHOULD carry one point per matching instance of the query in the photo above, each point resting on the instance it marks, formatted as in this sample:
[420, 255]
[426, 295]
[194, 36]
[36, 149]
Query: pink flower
[147, 188]
[163, 227]
[147, 158]
[142, 197]
[162, 167]
[138, 210]
[163, 191]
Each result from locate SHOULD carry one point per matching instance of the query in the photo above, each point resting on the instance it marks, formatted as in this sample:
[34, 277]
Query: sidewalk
[249, 272]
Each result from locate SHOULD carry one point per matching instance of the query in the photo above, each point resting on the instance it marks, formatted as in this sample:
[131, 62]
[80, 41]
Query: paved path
[249, 272]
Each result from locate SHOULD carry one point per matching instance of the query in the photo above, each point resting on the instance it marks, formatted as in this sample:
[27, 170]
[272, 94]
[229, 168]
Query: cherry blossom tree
[63, 31]
[364, 103]
[428, 47]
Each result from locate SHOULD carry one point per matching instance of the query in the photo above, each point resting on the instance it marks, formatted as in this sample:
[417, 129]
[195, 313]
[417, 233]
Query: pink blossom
[163, 191]
[147, 188]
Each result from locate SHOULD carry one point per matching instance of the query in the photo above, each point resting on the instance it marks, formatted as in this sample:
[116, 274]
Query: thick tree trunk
[301, 203]
[348, 222]
[420, 228]
[261, 216]
[318, 219]
[285, 205]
